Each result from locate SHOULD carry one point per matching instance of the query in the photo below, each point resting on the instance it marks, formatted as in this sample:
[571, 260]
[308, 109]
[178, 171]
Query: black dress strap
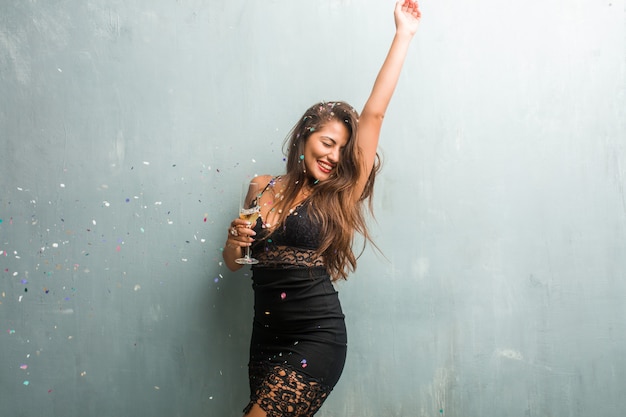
[269, 184]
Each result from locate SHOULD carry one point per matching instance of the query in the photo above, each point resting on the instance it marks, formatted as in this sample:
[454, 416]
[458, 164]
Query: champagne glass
[250, 211]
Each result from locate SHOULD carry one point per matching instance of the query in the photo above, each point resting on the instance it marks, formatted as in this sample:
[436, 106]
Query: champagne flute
[250, 211]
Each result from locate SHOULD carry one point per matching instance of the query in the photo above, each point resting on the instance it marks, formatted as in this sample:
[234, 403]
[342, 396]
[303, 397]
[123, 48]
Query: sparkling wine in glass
[249, 210]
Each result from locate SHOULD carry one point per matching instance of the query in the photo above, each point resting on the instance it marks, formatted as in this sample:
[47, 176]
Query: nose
[334, 155]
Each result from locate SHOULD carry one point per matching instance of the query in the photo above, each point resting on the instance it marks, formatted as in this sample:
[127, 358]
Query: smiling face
[323, 149]
[321, 146]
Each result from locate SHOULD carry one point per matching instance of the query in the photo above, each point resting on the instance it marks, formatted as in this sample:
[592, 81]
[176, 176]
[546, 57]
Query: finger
[242, 240]
[239, 223]
[234, 243]
[241, 232]
[417, 12]
[246, 231]
[413, 5]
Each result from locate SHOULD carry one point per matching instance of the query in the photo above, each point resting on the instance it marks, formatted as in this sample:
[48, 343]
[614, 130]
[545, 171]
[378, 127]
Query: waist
[275, 256]
[294, 295]
[262, 273]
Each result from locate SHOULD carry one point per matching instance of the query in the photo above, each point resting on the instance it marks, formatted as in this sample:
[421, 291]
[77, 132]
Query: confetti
[283, 296]
[303, 363]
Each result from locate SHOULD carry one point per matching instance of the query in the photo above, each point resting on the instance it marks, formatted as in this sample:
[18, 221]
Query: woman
[303, 239]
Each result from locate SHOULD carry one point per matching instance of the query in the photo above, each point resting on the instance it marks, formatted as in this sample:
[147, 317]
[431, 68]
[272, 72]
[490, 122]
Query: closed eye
[328, 142]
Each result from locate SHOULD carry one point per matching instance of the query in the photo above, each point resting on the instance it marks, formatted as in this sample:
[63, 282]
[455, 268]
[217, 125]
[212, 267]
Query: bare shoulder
[262, 180]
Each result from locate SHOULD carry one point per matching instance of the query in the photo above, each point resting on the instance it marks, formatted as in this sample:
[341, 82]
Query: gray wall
[127, 128]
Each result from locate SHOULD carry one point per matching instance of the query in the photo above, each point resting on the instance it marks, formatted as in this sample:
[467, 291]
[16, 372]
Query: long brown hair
[332, 203]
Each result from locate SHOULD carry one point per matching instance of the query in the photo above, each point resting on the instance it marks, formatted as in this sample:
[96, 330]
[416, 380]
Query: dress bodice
[293, 245]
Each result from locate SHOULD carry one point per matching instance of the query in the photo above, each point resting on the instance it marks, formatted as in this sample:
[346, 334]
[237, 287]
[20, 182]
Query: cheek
[311, 153]
[309, 163]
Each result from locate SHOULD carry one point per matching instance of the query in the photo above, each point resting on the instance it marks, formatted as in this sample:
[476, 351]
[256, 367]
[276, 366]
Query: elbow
[372, 115]
[230, 263]
[232, 266]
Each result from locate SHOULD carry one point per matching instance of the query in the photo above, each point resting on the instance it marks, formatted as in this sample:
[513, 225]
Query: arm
[407, 17]
[238, 238]
[240, 233]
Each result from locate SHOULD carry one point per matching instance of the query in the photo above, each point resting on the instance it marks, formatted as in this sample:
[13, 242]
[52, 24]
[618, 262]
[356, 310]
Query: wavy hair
[332, 203]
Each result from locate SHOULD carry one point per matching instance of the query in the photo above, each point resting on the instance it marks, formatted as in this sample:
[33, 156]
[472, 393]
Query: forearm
[387, 78]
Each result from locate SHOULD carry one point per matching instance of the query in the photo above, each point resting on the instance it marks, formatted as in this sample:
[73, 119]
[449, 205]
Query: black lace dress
[298, 345]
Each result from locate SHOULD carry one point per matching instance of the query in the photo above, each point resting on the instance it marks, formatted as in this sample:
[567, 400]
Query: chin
[315, 179]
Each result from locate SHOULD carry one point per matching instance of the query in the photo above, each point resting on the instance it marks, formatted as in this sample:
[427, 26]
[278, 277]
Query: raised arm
[407, 17]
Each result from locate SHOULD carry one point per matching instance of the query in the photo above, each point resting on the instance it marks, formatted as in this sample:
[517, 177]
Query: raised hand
[407, 16]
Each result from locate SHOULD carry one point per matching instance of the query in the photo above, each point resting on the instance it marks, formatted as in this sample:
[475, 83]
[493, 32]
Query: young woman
[303, 241]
